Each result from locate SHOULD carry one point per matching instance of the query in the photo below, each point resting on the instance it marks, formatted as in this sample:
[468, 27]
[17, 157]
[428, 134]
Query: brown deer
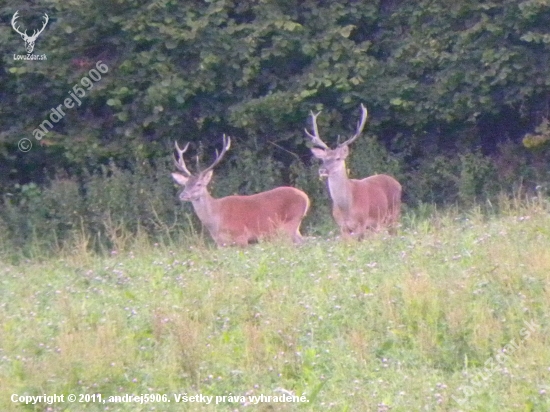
[241, 220]
[358, 205]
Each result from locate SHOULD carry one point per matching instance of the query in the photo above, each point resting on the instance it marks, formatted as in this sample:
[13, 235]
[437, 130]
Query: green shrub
[253, 172]
[478, 179]
[433, 181]
[103, 205]
[306, 177]
[369, 157]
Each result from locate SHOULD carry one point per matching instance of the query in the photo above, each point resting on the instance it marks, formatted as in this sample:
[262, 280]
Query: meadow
[452, 314]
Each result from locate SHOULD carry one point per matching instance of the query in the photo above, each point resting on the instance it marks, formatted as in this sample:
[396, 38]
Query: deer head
[29, 40]
[195, 185]
[333, 159]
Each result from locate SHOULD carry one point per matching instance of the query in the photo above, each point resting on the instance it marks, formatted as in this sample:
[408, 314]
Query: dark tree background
[458, 94]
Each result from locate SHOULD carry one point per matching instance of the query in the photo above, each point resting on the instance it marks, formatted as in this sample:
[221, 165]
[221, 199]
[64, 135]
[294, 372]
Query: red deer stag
[241, 219]
[358, 205]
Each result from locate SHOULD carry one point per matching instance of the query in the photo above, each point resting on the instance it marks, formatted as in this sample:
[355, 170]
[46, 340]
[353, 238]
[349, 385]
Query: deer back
[376, 198]
[262, 213]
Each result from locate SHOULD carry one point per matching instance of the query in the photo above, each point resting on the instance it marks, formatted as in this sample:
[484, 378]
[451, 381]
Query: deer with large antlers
[358, 205]
[29, 40]
[239, 220]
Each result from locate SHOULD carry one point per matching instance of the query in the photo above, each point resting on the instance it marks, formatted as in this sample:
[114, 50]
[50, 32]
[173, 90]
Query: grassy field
[452, 314]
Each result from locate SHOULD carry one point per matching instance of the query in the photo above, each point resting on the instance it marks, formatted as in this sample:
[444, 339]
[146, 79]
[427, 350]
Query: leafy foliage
[441, 81]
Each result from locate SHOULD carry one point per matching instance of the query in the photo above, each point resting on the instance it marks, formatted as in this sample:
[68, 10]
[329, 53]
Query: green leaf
[113, 102]
[346, 30]
[291, 26]
[171, 44]
[122, 116]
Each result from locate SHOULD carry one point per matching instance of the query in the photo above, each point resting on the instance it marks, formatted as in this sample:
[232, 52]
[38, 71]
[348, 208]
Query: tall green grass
[402, 323]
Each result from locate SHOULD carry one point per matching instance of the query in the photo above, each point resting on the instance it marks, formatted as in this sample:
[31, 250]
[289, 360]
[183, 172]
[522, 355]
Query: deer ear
[207, 176]
[344, 151]
[319, 153]
[180, 179]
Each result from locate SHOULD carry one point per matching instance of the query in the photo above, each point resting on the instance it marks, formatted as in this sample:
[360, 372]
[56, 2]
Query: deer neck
[206, 209]
[339, 187]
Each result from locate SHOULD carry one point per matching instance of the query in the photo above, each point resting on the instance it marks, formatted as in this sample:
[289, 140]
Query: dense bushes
[112, 203]
[99, 206]
[457, 97]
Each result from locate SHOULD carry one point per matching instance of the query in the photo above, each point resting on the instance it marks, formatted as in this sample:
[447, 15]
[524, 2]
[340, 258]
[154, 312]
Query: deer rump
[244, 219]
[376, 203]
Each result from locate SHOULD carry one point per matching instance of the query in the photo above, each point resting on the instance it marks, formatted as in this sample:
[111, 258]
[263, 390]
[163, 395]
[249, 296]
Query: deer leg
[392, 219]
[230, 239]
[346, 232]
[297, 237]
[359, 233]
[392, 226]
[351, 230]
[292, 230]
[222, 241]
[367, 229]
[241, 240]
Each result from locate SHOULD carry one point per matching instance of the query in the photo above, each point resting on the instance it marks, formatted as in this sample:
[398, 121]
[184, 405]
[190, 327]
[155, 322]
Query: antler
[360, 126]
[315, 136]
[15, 17]
[219, 156]
[179, 162]
[35, 33]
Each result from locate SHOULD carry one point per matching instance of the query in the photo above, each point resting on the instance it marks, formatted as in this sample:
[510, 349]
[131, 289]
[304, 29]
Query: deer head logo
[29, 40]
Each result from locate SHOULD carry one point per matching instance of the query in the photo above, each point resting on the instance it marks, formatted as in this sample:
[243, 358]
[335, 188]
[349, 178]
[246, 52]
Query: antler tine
[360, 126]
[35, 32]
[43, 25]
[13, 19]
[315, 136]
[179, 162]
[219, 156]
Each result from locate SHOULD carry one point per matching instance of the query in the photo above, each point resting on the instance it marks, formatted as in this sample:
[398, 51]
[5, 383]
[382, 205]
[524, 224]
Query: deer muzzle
[323, 173]
[186, 197]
